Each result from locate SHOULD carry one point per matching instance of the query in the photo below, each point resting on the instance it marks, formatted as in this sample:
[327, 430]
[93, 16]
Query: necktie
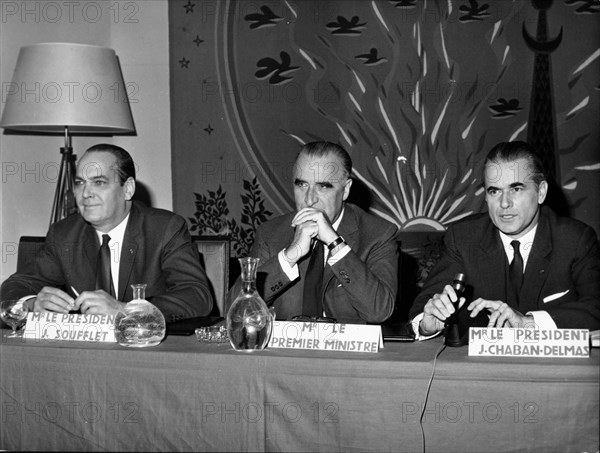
[516, 270]
[103, 275]
[313, 281]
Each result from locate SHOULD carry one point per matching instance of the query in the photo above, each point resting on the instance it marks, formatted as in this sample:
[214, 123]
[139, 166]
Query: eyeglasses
[303, 318]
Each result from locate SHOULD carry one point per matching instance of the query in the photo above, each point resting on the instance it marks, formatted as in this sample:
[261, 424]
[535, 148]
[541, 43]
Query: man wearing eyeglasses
[329, 258]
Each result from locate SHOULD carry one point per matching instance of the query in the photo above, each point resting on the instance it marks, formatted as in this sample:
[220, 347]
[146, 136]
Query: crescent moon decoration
[542, 47]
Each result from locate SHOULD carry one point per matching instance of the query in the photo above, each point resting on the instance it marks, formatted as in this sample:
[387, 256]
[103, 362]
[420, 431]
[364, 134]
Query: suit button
[276, 286]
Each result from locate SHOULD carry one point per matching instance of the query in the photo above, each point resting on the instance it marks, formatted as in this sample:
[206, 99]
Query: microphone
[452, 334]
[459, 283]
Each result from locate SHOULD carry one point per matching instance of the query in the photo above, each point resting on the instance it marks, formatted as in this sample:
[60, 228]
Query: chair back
[214, 255]
[29, 248]
[419, 253]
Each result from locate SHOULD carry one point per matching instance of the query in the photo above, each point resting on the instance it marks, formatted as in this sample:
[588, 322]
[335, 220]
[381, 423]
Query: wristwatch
[333, 244]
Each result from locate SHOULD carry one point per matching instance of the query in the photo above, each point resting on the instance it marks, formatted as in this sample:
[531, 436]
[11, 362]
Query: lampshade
[58, 85]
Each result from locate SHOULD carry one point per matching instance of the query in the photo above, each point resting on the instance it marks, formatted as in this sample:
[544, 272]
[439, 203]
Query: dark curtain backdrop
[417, 92]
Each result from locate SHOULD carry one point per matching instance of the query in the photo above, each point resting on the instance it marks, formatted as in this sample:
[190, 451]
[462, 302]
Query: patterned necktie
[103, 274]
[313, 281]
[516, 270]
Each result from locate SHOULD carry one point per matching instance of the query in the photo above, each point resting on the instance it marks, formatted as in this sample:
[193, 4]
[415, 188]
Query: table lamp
[67, 88]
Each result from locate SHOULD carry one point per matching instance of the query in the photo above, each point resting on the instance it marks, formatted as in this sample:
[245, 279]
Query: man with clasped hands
[151, 246]
[560, 285]
[359, 280]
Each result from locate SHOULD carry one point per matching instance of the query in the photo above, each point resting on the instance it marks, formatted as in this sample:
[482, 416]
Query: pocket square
[555, 296]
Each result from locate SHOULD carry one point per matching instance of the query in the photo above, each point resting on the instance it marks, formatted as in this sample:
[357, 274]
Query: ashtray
[212, 334]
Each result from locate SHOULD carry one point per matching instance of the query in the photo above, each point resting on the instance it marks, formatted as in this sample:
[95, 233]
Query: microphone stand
[452, 334]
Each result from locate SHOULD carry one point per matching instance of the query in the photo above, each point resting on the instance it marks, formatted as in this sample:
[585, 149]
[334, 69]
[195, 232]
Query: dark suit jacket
[359, 288]
[565, 256]
[156, 250]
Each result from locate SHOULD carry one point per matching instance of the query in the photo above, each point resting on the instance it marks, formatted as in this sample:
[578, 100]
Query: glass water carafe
[249, 321]
[141, 324]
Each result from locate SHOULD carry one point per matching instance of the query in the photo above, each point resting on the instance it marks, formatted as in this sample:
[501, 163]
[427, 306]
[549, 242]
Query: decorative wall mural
[212, 217]
[416, 91]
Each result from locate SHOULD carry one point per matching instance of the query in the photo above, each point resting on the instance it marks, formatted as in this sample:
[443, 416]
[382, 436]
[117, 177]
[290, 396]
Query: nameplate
[326, 336]
[511, 342]
[50, 326]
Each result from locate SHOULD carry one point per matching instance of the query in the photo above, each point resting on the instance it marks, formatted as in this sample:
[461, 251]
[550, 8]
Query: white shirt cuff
[331, 260]
[542, 320]
[415, 326]
[291, 271]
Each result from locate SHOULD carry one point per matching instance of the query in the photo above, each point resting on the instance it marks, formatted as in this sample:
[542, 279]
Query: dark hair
[511, 151]
[323, 148]
[125, 168]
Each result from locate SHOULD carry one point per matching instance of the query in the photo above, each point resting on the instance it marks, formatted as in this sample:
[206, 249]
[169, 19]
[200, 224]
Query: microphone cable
[459, 285]
[437, 354]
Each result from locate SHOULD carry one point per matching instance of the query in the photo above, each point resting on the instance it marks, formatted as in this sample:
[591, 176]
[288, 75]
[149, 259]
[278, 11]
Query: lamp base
[64, 198]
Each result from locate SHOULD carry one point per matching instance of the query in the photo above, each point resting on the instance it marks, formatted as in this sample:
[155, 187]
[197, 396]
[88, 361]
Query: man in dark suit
[147, 245]
[358, 283]
[550, 279]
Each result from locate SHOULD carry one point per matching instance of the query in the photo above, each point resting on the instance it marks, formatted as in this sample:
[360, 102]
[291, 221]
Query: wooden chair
[214, 254]
[29, 247]
[419, 253]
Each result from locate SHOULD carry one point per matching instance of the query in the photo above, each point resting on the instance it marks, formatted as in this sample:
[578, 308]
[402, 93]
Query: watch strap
[339, 240]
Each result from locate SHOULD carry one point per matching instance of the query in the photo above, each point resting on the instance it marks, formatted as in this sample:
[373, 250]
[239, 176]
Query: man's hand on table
[53, 299]
[98, 302]
[501, 315]
[88, 302]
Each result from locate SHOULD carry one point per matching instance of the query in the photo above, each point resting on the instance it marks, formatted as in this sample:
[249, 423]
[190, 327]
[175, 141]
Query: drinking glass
[14, 313]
